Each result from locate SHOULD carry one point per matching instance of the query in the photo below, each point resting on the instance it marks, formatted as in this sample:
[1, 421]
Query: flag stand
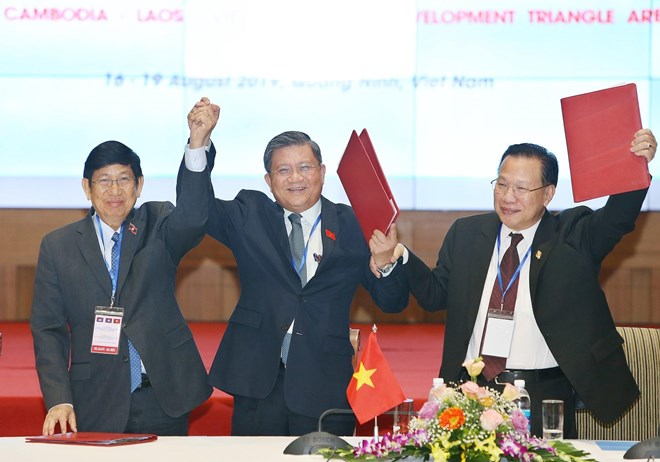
[373, 389]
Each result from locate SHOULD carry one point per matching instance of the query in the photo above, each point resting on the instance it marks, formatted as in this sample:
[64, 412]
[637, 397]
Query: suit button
[284, 327]
[301, 299]
[123, 325]
[124, 358]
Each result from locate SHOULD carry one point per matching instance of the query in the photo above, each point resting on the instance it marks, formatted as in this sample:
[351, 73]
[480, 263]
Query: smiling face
[295, 186]
[115, 203]
[520, 213]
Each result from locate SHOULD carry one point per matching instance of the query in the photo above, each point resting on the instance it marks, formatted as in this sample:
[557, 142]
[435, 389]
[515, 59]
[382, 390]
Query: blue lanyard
[515, 275]
[304, 258]
[114, 275]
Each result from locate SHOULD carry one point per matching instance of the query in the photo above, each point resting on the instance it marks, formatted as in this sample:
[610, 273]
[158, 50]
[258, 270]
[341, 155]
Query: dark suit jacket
[319, 364]
[569, 305]
[72, 279]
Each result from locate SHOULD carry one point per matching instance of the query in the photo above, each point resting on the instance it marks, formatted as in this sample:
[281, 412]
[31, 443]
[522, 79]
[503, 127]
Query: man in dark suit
[559, 337]
[116, 267]
[286, 356]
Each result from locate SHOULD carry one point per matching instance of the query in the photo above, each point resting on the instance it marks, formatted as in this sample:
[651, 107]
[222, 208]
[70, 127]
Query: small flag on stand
[373, 389]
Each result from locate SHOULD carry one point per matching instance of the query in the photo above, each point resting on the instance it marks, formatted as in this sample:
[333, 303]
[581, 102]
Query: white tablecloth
[192, 448]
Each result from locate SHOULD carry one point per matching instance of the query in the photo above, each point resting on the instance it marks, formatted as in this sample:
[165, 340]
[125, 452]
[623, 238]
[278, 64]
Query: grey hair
[286, 139]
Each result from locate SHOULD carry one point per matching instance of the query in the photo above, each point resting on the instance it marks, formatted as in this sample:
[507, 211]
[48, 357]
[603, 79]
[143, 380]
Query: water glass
[402, 415]
[552, 412]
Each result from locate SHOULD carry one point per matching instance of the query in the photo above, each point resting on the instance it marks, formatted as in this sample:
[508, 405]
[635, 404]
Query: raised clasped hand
[202, 119]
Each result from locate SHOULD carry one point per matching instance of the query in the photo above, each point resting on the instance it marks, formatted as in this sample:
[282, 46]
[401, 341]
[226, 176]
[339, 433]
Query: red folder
[599, 127]
[93, 438]
[366, 186]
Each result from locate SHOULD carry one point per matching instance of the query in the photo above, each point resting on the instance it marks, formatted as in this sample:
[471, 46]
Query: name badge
[107, 329]
[499, 333]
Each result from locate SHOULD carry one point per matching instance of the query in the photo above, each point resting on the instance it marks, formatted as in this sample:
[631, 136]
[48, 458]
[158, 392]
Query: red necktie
[508, 266]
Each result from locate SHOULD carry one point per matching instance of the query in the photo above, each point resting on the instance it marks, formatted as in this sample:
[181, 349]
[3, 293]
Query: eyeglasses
[106, 183]
[302, 169]
[500, 187]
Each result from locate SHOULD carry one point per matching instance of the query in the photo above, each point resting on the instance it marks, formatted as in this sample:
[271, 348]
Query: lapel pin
[538, 254]
[132, 228]
[330, 234]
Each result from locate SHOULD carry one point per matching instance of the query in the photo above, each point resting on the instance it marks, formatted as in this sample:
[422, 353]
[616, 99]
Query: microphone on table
[645, 449]
[313, 442]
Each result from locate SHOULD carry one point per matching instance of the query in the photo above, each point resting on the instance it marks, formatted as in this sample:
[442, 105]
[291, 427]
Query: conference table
[202, 448]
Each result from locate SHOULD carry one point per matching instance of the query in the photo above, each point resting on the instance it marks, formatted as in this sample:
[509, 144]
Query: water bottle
[524, 403]
[436, 390]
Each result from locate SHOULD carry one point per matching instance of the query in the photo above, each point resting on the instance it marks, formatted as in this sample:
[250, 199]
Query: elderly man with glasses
[521, 289]
[113, 351]
[286, 356]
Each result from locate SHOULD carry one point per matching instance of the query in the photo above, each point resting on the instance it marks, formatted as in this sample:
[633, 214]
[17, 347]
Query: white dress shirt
[528, 347]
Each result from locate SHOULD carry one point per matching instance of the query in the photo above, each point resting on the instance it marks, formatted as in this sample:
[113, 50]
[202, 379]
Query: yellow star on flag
[363, 376]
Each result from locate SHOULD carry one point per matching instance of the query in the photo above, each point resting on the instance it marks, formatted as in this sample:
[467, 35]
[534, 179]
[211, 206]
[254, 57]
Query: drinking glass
[402, 415]
[552, 412]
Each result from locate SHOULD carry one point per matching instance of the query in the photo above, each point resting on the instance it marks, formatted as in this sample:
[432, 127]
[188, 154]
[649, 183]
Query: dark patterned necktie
[510, 261]
[136, 364]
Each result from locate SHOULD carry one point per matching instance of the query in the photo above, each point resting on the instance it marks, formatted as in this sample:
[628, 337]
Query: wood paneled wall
[207, 283]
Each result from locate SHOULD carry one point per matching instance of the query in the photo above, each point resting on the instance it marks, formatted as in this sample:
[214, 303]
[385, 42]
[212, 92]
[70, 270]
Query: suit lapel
[276, 232]
[88, 243]
[134, 228]
[544, 242]
[329, 230]
[482, 249]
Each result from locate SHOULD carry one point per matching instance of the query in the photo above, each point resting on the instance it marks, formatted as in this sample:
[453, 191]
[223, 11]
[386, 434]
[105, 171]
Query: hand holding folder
[598, 127]
[366, 186]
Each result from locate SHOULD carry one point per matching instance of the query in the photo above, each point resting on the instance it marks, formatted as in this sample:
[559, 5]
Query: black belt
[528, 375]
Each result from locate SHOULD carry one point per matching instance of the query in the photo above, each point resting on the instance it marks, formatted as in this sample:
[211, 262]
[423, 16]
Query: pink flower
[491, 419]
[429, 410]
[473, 391]
[519, 421]
[510, 447]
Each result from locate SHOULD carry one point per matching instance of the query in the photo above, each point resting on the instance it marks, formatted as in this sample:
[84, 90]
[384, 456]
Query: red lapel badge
[132, 228]
[330, 234]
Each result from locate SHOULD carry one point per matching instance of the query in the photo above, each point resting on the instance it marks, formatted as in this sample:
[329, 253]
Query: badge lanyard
[304, 258]
[515, 275]
[113, 275]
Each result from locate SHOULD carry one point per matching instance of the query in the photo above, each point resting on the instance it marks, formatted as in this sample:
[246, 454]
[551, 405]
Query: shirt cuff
[67, 404]
[195, 159]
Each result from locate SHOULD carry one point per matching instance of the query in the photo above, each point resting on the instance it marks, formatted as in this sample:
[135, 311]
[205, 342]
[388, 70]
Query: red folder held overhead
[599, 127]
[366, 186]
[93, 438]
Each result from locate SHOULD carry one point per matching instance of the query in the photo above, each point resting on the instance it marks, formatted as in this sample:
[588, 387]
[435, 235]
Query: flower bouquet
[465, 422]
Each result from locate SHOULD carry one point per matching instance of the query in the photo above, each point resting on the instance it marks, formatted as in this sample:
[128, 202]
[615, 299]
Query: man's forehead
[296, 153]
[113, 168]
[527, 167]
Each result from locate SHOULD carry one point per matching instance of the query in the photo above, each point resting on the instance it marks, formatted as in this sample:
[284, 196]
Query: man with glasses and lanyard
[113, 351]
[286, 356]
[538, 312]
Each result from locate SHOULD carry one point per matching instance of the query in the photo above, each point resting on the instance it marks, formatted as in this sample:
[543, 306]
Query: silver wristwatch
[386, 269]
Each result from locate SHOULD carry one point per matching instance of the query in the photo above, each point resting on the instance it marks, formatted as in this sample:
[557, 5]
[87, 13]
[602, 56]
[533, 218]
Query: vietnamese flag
[373, 388]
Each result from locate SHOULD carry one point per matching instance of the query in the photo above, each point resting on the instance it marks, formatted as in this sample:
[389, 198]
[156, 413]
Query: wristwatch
[386, 269]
